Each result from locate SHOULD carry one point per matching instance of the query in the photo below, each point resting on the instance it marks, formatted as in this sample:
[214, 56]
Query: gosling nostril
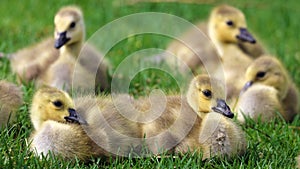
[246, 36]
[72, 112]
[62, 39]
[221, 103]
[223, 108]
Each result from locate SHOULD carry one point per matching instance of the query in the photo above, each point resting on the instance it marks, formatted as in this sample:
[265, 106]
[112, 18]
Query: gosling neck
[194, 104]
[201, 114]
[36, 121]
[216, 42]
[72, 49]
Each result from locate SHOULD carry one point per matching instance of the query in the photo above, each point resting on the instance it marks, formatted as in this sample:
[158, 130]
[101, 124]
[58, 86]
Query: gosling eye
[260, 75]
[57, 103]
[229, 23]
[207, 93]
[72, 25]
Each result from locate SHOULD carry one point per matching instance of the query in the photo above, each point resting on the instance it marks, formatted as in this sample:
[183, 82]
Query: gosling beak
[247, 85]
[62, 39]
[223, 108]
[245, 36]
[74, 117]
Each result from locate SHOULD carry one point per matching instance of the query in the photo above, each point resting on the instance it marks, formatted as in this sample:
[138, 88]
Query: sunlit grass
[270, 145]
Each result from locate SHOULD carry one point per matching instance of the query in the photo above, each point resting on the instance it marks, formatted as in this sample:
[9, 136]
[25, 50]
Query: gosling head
[228, 25]
[206, 95]
[69, 26]
[267, 70]
[53, 104]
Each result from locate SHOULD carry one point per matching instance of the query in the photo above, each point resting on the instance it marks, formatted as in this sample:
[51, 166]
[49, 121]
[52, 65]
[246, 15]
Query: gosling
[268, 89]
[58, 127]
[11, 99]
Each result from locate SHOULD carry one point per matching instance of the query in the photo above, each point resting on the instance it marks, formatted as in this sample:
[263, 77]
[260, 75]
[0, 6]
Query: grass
[270, 145]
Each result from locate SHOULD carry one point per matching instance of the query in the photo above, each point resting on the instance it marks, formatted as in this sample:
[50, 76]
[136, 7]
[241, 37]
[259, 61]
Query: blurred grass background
[275, 22]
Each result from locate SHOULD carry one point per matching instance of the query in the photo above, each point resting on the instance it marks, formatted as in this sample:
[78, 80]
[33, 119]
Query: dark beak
[245, 36]
[223, 108]
[62, 39]
[74, 117]
[247, 85]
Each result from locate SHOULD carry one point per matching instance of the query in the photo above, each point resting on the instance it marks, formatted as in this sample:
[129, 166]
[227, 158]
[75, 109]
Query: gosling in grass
[66, 72]
[34, 62]
[227, 27]
[227, 30]
[268, 90]
[30, 62]
[198, 122]
[201, 48]
[10, 100]
[58, 127]
[86, 128]
[216, 133]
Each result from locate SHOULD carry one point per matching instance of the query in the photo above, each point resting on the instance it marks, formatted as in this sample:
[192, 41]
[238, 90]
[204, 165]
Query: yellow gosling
[278, 93]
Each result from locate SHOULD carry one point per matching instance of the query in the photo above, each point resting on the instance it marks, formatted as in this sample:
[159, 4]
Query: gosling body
[10, 100]
[30, 62]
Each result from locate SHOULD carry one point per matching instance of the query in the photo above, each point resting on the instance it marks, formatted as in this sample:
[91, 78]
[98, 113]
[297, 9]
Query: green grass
[270, 145]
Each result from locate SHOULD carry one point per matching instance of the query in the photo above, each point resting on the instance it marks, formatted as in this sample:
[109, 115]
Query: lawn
[275, 22]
